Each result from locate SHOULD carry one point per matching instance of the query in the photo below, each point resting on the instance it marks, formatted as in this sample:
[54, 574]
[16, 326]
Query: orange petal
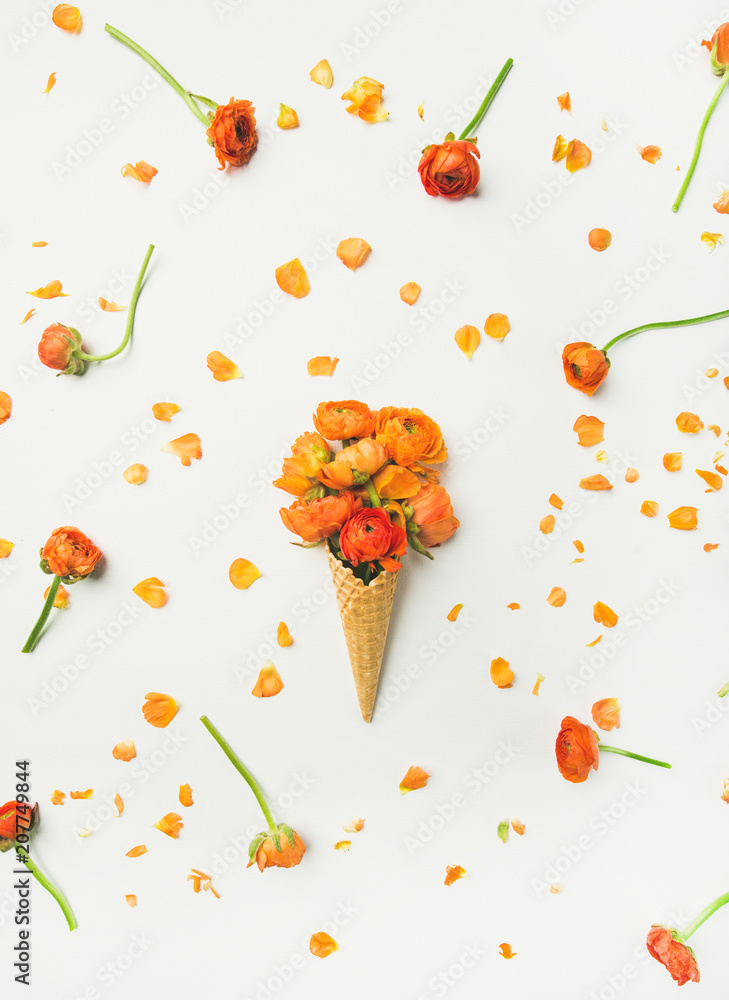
[505, 950]
[409, 292]
[165, 411]
[6, 548]
[393, 482]
[131, 900]
[67, 17]
[151, 591]
[496, 326]
[684, 518]
[269, 682]
[715, 428]
[88, 794]
[283, 636]
[594, 641]
[546, 525]
[565, 101]
[292, 279]
[243, 573]
[141, 171]
[415, 778]
[185, 795]
[223, 368]
[454, 612]
[365, 97]
[170, 824]
[353, 252]
[589, 430]
[556, 887]
[578, 156]
[689, 423]
[673, 461]
[355, 826]
[185, 448]
[321, 365]
[49, 87]
[604, 615]
[453, 873]
[44, 243]
[119, 803]
[159, 709]
[287, 117]
[124, 751]
[322, 945]
[579, 546]
[58, 797]
[50, 291]
[26, 317]
[725, 793]
[557, 597]
[343, 845]
[322, 74]
[560, 149]
[712, 240]
[606, 714]
[136, 474]
[632, 475]
[136, 851]
[518, 827]
[722, 204]
[421, 111]
[599, 239]
[556, 501]
[501, 673]
[61, 600]
[709, 547]
[537, 684]
[712, 480]
[468, 338]
[711, 373]
[513, 606]
[595, 483]
[110, 307]
[651, 154]
[649, 508]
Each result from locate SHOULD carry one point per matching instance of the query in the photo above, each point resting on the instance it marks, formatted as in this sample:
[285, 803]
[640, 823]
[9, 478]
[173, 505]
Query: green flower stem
[47, 884]
[700, 139]
[130, 317]
[723, 692]
[34, 636]
[666, 326]
[241, 769]
[184, 94]
[635, 756]
[487, 101]
[704, 915]
[373, 495]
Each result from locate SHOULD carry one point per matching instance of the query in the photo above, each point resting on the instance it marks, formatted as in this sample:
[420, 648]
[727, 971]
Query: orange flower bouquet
[367, 501]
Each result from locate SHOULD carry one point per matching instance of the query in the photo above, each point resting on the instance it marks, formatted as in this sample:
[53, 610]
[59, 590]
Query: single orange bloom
[353, 252]
[159, 709]
[322, 365]
[151, 591]
[164, 411]
[136, 474]
[565, 101]
[675, 955]
[577, 750]
[140, 171]
[287, 117]
[283, 636]
[606, 714]
[136, 851]
[598, 482]
[69, 553]
[300, 472]
[557, 597]
[347, 418]
[433, 515]
[393, 482]
[651, 154]
[578, 156]
[58, 797]
[365, 97]
[267, 855]
[415, 778]
[684, 518]
[67, 17]
[468, 338]
[243, 573]
[599, 239]
[585, 367]
[223, 368]
[556, 501]
[496, 326]
[52, 290]
[292, 279]
[409, 292]
[269, 682]
[453, 873]
[604, 615]
[61, 600]
[589, 430]
[320, 518]
[57, 348]
[170, 824]
[322, 74]
[125, 751]
[546, 525]
[689, 423]
[322, 945]
[649, 508]
[410, 436]
[233, 133]
[353, 465]
[185, 448]
[450, 169]
[185, 796]
[501, 673]
[720, 38]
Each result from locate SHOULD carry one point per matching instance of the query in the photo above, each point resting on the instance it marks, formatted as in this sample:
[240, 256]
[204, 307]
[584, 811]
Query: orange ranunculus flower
[309, 455]
[370, 536]
[450, 168]
[393, 482]
[720, 38]
[233, 133]
[677, 957]
[264, 852]
[56, 349]
[433, 515]
[585, 367]
[320, 518]
[577, 750]
[347, 418]
[354, 464]
[68, 553]
[15, 818]
[410, 436]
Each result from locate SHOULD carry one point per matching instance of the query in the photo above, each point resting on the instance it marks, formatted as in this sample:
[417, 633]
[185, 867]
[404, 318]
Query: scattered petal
[712, 480]
[557, 597]
[6, 548]
[365, 97]
[61, 600]
[505, 950]
[322, 74]
[537, 684]
[501, 673]
[159, 709]
[606, 714]
[722, 204]
[651, 154]
[141, 171]
[26, 317]
[84, 832]
[715, 428]
[136, 474]
[468, 338]
[136, 851]
[415, 778]
[673, 461]
[546, 525]
[185, 448]
[632, 475]
[58, 797]
[454, 612]
[40, 243]
[604, 125]
[321, 365]
[513, 606]
[453, 873]
[292, 279]
[599, 239]
[343, 845]
[578, 545]
[287, 117]
[88, 794]
[595, 483]
[578, 156]
[165, 411]
[604, 615]
[496, 326]
[689, 423]
[201, 880]
[556, 888]
[725, 793]
[283, 636]
[151, 591]
[243, 573]
[355, 826]
[67, 17]
[709, 547]
[565, 101]
[560, 149]
[502, 831]
[269, 682]
[131, 900]
[684, 518]
[119, 803]
[518, 827]
[712, 240]
[353, 252]
[49, 87]
[589, 430]
[223, 368]
[711, 372]
[421, 111]
[110, 307]
[125, 750]
[170, 824]
[185, 795]
[409, 292]
[602, 456]
[649, 508]
[322, 945]
[556, 501]
[52, 290]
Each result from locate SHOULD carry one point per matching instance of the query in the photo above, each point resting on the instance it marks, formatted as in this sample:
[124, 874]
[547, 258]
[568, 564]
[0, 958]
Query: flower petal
[26, 317]
[49, 87]
[454, 612]
[712, 480]
[67, 17]
[649, 508]
[185, 795]
[505, 950]
[269, 682]
[165, 411]
[322, 945]
[546, 525]
[287, 117]
[595, 483]
[501, 673]
[6, 548]
[709, 547]
[589, 430]
[322, 74]
[409, 292]
[599, 239]
[537, 684]
[684, 518]
[125, 750]
[353, 252]
[151, 591]
[343, 846]
[518, 827]
[292, 279]
[604, 615]
[578, 156]
[631, 475]
[170, 824]
[141, 171]
[453, 873]
[58, 797]
[223, 368]
[321, 365]
[110, 307]
[185, 448]
[159, 709]
[131, 900]
[606, 714]
[136, 474]
[88, 794]
[283, 636]
[136, 852]
[557, 597]
[468, 338]
[355, 826]
[565, 101]
[560, 149]
[513, 606]
[712, 240]
[689, 423]
[52, 290]
[415, 778]
[556, 501]
[651, 154]
[119, 803]
[673, 461]
[61, 600]
[243, 573]
[496, 326]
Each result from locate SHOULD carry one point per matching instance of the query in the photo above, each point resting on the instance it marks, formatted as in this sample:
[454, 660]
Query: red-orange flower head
[347, 418]
[370, 536]
[16, 819]
[450, 168]
[585, 367]
[233, 132]
[285, 849]
[56, 349]
[68, 553]
[320, 518]
[719, 48]
[577, 750]
[410, 436]
[433, 514]
[309, 455]
[665, 946]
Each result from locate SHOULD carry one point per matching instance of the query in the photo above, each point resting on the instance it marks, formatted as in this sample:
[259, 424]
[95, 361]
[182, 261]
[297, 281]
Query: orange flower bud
[347, 418]
[577, 750]
[585, 367]
[56, 349]
[450, 169]
[68, 553]
[233, 133]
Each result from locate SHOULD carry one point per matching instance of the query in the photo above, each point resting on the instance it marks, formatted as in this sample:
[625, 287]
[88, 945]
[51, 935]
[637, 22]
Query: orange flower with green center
[410, 436]
[345, 419]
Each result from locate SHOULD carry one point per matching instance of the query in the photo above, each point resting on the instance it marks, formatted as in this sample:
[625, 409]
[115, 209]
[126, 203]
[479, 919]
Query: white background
[661, 854]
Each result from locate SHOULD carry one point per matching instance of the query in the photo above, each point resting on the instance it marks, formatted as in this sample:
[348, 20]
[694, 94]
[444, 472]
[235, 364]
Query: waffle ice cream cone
[365, 614]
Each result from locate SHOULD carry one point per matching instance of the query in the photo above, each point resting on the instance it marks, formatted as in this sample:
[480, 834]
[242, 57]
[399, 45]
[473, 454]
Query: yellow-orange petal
[110, 307]
[546, 525]
[453, 873]
[505, 950]
[343, 846]
[6, 548]
[673, 461]
[649, 508]
[355, 826]
[711, 372]
[599, 239]
[501, 673]
[684, 518]
[595, 483]
[589, 430]
[49, 87]
[468, 338]
[394, 482]
[513, 606]
[26, 317]
[52, 290]
[39, 243]
[125, 750]
[415, 778]
[140, 171]
[322, 945]
[67, 17]
[58, 797]
[689, 423]
[170, 824]
[243, 573]
[454, 612]
[712, 480]
[709, 546]
[136, 852]
[409, 292]
[185, 448]
[578, 156]
[606, 714]
[560, 149]
[712, 240]
[604, 615]
[556, 501]
[88, 794]
[119, 803]
[715, 428]
[6, 407]
[651, 154]
[537, 684]
[61, 600]
[631, 475]
[725, 794]
[269, 682]
[322, 74]
[185, 795]
[557, 597]
[287, 117]
[321, 365]
[131, 900]
[556, 887]
[223, 368]
[165, 411]
[578, 545]
[602, 456]
[518, 827]
[283, 636]
[353, 252]
[151, 591]
[722, 203]
[292, 278]
[594, 641]
[564, 101]
[136, 474]
[159, 709]
[496, 326]
[421, 111]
